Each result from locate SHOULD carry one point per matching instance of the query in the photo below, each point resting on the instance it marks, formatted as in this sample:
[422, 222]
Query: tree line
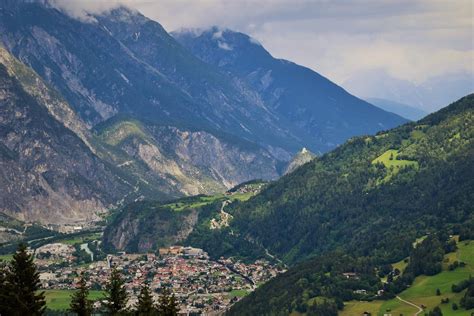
[20, 293]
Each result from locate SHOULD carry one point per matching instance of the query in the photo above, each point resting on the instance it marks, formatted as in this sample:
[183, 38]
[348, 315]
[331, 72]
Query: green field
[393, 165]
[354, 308]
[194, 202]
[81, 239]
[238, 293]
[423, 289]
[7, 257]
[200, 201]
[60, 299]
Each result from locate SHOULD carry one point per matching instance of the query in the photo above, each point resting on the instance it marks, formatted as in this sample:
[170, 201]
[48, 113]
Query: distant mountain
[428, 96]
[176, 161]
[403, 110]
[123, 62]
[302, 157]
[320, 113]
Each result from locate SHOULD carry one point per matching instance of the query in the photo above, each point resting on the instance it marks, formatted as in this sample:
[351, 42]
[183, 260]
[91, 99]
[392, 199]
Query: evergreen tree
[436, 312]
[145, 304]
[116, 295]
[79, 302]
[4, 291]
[167, 305]
[22, 283]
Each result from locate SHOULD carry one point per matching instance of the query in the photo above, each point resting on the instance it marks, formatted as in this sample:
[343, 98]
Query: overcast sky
[410, 39]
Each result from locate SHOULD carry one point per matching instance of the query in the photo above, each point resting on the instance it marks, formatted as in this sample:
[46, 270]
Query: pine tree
[79, 302]
[145, 304]
[167, 305]
[4, 290]
[22, 282]
[116, 295]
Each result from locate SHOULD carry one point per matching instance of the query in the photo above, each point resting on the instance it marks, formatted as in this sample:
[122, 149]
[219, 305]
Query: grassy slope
[423, 289]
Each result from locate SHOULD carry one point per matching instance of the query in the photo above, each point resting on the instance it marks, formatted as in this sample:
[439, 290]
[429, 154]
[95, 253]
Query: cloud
[410, 39]
[83, 9]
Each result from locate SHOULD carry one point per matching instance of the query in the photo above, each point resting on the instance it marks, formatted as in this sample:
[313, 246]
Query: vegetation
[339, 201]
[116, 295]
[60, 300]
[353, 199]
[167, 305]
[145, 305]
[80, 303]
[19, 285]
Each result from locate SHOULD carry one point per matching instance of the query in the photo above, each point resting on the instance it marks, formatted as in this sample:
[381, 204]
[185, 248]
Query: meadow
[423, 290]
[60, 299]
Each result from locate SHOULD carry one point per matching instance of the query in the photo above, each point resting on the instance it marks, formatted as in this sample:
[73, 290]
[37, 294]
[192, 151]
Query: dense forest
[372, 196]
[369, 200]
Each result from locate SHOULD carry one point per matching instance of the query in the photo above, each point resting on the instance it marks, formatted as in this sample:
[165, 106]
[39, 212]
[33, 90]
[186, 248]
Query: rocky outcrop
[302, 157]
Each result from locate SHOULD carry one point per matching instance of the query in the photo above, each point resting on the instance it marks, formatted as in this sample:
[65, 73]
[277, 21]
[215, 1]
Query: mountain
[428, 96]
[349, 198]
[142, 160]
[403, 110]
[178, 161]
[321, 114]
[302, 157]
[49, 170]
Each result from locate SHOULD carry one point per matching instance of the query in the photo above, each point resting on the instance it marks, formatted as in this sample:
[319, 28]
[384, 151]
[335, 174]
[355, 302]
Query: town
[201, 286]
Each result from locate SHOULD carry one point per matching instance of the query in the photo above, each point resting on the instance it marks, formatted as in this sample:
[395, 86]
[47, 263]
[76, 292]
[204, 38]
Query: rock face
[320, 114]
[185, 162]
[47, 172]
[122, 62]
[302, 157]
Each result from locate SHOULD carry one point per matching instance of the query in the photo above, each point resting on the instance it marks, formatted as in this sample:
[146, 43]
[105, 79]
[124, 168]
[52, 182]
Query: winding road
[420, 310]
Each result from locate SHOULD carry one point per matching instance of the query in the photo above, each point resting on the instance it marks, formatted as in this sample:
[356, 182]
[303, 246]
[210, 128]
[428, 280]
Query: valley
[198, 172]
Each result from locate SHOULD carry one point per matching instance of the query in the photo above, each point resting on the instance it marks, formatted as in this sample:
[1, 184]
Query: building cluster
[201, 285]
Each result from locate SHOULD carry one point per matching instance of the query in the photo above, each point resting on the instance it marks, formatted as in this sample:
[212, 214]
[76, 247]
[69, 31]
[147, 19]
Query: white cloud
[410, 39]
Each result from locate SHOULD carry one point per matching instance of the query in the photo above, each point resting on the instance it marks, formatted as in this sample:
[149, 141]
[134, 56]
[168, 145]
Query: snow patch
[224, 46]
[123, 77]
[254, 41]
[217, 35]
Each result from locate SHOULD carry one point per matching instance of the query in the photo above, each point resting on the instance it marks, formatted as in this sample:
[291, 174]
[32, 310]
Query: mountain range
[153, 116]
[428, 96]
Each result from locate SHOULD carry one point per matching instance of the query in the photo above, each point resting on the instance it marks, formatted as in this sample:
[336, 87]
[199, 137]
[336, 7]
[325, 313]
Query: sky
[411, 40]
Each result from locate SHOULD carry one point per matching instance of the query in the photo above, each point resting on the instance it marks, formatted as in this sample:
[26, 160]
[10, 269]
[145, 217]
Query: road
[420, 310]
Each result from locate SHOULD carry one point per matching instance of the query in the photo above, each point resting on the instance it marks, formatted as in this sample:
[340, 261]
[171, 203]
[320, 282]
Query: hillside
[199, 221]
[311, 288]
[319, 112]
[178, 161]
[350, 198]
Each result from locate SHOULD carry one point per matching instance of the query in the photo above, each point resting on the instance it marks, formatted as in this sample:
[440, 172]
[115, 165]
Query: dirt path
[420, 310]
